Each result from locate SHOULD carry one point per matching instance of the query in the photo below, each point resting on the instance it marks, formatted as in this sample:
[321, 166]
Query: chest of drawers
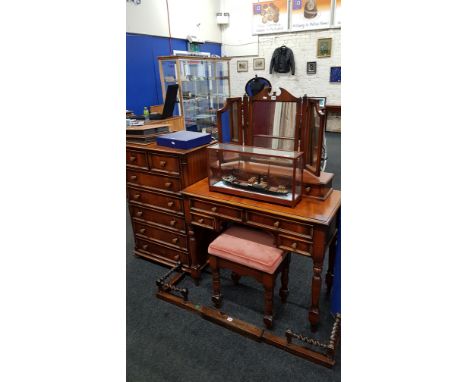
[155, 177]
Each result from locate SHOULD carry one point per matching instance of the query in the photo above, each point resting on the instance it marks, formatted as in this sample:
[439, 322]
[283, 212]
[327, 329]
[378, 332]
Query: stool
[248, 252]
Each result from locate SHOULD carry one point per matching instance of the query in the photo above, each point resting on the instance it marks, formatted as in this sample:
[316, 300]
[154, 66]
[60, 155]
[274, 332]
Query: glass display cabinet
[269, 175]
[203, 88]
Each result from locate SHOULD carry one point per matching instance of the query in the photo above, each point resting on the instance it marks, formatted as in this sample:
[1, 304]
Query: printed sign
[269, 17]
[310, 14]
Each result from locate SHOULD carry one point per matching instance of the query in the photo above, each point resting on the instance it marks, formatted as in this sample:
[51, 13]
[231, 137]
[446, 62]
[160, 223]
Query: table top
[308, 209]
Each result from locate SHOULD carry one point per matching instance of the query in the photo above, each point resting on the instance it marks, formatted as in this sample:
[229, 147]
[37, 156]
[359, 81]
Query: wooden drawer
[168, 237]
[295, 245]
[164, 163]
[166, 202]
[202, 221]
[210, 208]
[149, 248]
[279, 224]
[137, 159]
[159, 182]
[157, 217]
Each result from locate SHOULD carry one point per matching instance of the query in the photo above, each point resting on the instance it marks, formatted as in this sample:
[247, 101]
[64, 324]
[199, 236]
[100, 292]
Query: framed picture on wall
[322, 101]
[259, 64]
[324, 46]
[312, 67]
[335, 74]
[242, 66]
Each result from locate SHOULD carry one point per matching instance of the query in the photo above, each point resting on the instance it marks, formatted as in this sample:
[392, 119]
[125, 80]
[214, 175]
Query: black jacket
[282, 60]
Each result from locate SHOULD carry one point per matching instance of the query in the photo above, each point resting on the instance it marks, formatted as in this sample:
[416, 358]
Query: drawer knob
[133, 177]
[168, 184]
[142, 230]
[294, 245]
[276, 224]
[144, 246]
[132, 159]
[201, 221]
[175, 240]
[170, 204]
[173, 223]
[137, 196]
[307, 189]
[214, 209]
[139, 213]
[163, 163]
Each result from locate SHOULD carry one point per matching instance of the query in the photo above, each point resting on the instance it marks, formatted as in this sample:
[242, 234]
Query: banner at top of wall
[310, 14]
[273, 16]
[270, 17]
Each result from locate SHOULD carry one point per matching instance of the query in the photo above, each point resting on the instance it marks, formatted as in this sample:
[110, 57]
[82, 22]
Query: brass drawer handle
[133, 177]
[201, 221]
[163, 163]
[142, 230]
[175, 240]
[132, 159]
[139, 213]
[307, 189]
[173, 223]
[276, 224]
[294, 245]
[170, 204]
[137, 196]
[144, 246]
[168, 184]
[214, 209]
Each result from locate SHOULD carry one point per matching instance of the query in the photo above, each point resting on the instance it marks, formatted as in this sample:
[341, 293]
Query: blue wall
[143, 82]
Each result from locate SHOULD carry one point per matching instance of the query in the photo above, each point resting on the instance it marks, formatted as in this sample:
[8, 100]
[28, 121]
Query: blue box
[183, 139]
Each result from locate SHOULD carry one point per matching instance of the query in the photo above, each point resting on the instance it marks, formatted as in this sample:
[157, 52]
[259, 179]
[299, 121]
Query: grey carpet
[166, 343]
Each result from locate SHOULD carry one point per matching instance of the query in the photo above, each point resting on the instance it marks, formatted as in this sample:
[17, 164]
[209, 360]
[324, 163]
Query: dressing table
[281, 122]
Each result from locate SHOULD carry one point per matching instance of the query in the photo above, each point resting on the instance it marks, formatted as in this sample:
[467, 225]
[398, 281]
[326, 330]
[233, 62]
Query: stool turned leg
[217, 297]
[269, 286]
[284, 279]
[235, 278]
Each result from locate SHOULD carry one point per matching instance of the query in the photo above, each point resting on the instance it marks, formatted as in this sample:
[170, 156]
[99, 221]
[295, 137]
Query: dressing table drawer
[137, 159]
[160, 182]
[149, 248]
[202, 221]
[166, 202]
[279, 224]
[210, 208]
[164, 163]
[295, 245]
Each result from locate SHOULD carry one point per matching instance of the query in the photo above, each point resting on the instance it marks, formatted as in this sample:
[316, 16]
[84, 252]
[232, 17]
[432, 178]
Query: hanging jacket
[282, 60]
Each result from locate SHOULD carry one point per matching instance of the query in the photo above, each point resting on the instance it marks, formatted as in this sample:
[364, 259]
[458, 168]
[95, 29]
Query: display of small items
[259, 183]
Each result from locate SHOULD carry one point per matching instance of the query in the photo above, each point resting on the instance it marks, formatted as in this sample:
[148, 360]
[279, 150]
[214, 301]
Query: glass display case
[203, 88]
[265, 174]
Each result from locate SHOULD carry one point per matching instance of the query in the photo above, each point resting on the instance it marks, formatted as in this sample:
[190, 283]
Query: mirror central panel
[273, 124]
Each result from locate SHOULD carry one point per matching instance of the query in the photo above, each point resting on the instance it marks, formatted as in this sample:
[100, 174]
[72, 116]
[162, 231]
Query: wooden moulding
[249, 330]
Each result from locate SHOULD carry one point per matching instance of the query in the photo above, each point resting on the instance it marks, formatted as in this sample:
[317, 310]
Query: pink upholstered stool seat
[254, 249]
[247, 252]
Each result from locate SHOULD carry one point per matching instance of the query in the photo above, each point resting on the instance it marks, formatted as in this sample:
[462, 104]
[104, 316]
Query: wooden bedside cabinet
[155, 177]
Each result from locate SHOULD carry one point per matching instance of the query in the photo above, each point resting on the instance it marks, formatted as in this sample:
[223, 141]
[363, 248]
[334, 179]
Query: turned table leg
[331, 264]
[269, 286]
[284, 279]
[195, 271]
[318, 255]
